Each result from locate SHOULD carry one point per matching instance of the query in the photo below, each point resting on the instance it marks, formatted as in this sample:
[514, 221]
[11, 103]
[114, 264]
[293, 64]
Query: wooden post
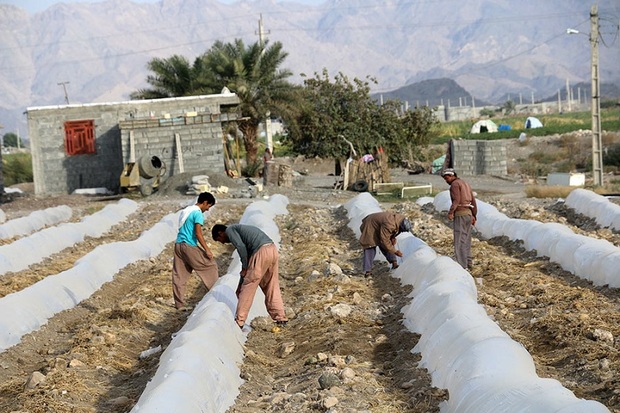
[177, 139]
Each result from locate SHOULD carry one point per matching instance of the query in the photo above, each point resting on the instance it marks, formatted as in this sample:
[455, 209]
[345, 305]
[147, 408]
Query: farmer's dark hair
[206, 196]
[217, 228]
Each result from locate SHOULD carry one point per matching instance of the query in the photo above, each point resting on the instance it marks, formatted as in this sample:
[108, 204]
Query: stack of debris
[200, 183]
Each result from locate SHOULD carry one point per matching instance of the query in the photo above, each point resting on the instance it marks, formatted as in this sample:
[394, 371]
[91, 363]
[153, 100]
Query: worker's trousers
[188, 258]
[462, 240]
[262, 272]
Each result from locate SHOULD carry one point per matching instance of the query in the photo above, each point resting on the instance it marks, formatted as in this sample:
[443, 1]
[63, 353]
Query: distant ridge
[435, 92]
[432, 92]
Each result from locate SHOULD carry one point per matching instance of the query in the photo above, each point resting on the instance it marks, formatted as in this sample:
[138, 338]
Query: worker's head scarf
[405, 226]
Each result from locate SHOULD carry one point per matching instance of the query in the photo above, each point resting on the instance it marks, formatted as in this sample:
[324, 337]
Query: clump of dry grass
[543, 191]
[558, 191]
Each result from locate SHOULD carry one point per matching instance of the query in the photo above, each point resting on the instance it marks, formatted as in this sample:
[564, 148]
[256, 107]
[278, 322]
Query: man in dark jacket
[463, 211]
[380, 230]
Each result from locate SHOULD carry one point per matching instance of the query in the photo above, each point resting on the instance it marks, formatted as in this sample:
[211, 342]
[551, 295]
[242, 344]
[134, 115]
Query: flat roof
[133, 102]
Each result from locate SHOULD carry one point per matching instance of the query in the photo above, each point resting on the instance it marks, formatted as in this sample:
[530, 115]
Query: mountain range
[97, 52]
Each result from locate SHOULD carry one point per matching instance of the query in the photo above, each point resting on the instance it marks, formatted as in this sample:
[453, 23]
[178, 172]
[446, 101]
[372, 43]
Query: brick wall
[471, 157]
[154, 124]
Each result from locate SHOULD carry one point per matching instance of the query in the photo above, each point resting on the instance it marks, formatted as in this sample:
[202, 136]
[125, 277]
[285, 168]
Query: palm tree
[252, 73]
[172, 77]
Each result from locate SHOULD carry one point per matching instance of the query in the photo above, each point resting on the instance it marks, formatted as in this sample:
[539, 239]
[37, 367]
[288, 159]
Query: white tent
[532, 122]
[482, 126]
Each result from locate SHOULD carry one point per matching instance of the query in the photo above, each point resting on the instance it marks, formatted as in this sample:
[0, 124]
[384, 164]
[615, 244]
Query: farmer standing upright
[463, 211]
[188, 256]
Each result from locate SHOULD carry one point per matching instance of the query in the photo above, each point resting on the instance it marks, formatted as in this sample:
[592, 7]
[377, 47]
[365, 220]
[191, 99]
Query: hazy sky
[34, 6]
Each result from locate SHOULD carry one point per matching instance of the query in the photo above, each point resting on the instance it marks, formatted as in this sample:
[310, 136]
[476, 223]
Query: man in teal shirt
[188, 254]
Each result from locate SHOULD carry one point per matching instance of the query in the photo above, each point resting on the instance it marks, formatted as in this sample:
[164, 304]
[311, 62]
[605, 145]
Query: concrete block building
[471, 157]
[82, 146]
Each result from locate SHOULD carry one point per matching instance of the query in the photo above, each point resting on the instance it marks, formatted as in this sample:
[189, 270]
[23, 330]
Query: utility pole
[568, 103]
[64, 87]
[261, 40]
[597, 145]
[261, 32]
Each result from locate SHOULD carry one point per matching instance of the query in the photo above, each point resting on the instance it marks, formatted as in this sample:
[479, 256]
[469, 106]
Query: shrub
[535, 169]
[577, 150]
[17, 168]
[540, 191]
[611, 156]
[487, 112]
[545, 157]
[252, 169]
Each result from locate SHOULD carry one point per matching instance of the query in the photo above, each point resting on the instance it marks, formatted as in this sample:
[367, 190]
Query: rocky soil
[345, 348]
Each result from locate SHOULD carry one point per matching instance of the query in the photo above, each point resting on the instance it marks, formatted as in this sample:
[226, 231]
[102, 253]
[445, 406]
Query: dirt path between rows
[345, 348]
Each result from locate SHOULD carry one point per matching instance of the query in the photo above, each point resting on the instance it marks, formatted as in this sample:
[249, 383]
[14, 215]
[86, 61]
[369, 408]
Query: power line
[131, 53]
[497, 20]
[129, 34]
[500, 20]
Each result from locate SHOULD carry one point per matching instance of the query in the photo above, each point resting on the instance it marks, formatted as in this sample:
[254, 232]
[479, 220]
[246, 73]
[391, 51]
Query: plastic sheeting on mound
[35, 221]
[593, 205]
[27, 310]
[199, 372]
[464, 351]
[593, 259]
[51, 240]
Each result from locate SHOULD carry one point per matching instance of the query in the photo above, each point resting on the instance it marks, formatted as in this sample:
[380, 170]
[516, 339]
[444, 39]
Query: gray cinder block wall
[196, 119]
[471, 157]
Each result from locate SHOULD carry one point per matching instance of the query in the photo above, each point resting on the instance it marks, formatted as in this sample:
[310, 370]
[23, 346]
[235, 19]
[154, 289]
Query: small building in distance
[80, 146]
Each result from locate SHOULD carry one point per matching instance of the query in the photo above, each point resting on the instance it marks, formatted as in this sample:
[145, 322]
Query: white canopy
[485, 125]
[532, 122]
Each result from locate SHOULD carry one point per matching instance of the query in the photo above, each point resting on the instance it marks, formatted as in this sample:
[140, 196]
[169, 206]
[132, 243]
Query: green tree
[420, 127]
[172, 77]
[336, 113]
[10, 140]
